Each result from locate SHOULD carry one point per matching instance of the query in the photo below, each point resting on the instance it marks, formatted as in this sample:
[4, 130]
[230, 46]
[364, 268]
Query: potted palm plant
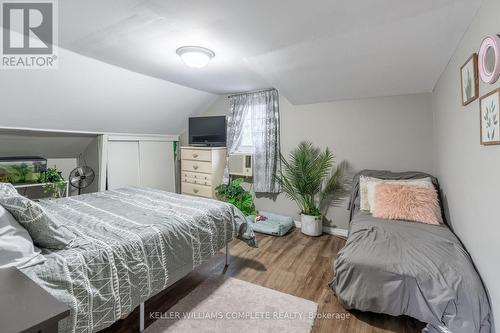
[310, 178]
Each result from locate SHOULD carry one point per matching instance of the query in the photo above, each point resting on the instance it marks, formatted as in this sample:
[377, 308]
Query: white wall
[89, 95]
[65, 165]
[91, 157]
[468, 172]
[45, 144]
[392, 133]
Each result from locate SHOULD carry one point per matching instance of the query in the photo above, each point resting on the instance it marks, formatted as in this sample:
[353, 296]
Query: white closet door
[157, 165]
[123, 164]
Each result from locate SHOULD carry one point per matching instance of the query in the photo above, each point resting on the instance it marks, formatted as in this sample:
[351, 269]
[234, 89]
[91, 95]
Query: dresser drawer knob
[195, 190]
[195, 155]
[195, 167]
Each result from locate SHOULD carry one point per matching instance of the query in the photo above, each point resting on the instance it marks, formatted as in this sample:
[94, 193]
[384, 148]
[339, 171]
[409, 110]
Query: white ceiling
[311, 51]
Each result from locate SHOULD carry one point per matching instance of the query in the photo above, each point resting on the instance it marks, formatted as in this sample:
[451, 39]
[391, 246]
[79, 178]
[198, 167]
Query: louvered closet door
[123, 164]
[157, 165]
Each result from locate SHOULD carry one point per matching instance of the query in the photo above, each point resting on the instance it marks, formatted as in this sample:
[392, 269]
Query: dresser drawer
[196, 166]
[196, 175]
[195, 189]
[198, 181]
[196, 155]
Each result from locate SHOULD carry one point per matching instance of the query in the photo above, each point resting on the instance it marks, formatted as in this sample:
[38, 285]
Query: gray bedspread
[414, 269]
[132, 243]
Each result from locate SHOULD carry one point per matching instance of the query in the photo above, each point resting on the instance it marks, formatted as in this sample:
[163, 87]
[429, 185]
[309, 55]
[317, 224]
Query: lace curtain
[263, 107]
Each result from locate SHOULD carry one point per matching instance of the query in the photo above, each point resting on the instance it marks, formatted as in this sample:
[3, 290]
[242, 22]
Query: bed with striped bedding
[132, 243]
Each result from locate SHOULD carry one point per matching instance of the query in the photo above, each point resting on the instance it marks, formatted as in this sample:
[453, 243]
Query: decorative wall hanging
[489, 59]
[470, 80]
[489, 106]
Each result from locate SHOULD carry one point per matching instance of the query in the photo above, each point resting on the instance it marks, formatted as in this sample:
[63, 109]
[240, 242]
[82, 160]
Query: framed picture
[489, 106]
[470, 80]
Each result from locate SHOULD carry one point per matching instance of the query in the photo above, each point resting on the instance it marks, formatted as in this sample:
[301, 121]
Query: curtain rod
[250, 92]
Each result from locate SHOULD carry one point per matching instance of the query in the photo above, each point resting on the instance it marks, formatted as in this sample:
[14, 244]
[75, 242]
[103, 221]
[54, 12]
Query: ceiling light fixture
[195, 56]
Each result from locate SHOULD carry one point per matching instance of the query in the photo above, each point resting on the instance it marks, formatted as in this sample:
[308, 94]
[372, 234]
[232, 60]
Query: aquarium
[22, 169]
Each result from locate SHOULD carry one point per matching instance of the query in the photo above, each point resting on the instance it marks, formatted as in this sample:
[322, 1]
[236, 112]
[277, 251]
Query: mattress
[132, 243]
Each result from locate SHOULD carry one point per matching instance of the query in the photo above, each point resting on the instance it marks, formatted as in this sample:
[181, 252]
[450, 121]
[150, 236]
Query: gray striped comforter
[132, 243]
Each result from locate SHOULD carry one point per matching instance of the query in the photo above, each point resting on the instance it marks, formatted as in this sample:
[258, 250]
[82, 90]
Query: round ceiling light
[195, 56]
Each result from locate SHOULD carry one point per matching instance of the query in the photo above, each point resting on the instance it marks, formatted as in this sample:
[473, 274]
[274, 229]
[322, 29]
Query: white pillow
[364, 204]
[45, 230]
[16, 246]
[367, 195]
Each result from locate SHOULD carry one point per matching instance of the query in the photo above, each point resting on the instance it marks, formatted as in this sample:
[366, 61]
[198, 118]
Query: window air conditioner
[241, 165]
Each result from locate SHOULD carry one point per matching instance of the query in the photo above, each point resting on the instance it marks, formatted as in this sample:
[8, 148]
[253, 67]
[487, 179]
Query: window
[246, 143]
[254, 127]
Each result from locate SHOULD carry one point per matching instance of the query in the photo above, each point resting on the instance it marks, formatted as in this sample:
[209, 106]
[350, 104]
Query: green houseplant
[53, 182]
[310, 178]
[235, 194]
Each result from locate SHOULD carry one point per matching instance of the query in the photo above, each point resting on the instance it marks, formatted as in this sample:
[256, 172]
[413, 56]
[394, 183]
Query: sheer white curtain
[261, 109]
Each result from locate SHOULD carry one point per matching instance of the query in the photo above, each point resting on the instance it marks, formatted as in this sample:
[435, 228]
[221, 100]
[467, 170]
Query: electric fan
[81, 177]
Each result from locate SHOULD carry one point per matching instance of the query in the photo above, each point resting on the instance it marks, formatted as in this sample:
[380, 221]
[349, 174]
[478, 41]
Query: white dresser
[202, 169]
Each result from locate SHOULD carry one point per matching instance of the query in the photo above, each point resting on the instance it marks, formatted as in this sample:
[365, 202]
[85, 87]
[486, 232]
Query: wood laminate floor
[295, 264]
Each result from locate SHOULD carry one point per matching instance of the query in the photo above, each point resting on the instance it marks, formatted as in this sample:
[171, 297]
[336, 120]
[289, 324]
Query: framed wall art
[489, 106]
[470, 80]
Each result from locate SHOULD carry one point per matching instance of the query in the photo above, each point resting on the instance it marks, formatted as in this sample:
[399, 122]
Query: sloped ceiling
[311, 51]
[85, 94]
[48, 145]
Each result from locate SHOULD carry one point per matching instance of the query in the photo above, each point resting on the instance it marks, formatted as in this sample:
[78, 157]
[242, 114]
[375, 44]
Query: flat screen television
[207, 131]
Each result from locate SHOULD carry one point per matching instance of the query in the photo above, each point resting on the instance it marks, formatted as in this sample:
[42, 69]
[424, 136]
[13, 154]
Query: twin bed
[131, 244]
[409, 268]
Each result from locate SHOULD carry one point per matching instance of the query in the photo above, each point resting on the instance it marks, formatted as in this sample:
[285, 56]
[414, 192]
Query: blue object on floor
[276, 225]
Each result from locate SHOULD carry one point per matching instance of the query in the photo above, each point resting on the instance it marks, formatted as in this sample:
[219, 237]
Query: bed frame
[141, 306]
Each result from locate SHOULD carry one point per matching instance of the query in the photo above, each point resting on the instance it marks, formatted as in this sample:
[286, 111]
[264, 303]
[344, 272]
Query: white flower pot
[311, 225]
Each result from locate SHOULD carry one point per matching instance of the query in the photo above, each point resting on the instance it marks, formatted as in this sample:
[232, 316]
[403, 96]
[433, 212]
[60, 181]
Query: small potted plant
[235, 194]
[310, 178]
[53, 182]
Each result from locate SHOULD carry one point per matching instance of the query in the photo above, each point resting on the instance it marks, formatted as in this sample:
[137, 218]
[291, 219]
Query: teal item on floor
[276, 225]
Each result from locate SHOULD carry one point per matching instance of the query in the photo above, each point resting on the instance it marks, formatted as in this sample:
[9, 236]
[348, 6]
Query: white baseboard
[329, 230]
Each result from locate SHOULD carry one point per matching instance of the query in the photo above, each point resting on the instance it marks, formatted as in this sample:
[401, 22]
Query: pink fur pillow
[405, 202]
